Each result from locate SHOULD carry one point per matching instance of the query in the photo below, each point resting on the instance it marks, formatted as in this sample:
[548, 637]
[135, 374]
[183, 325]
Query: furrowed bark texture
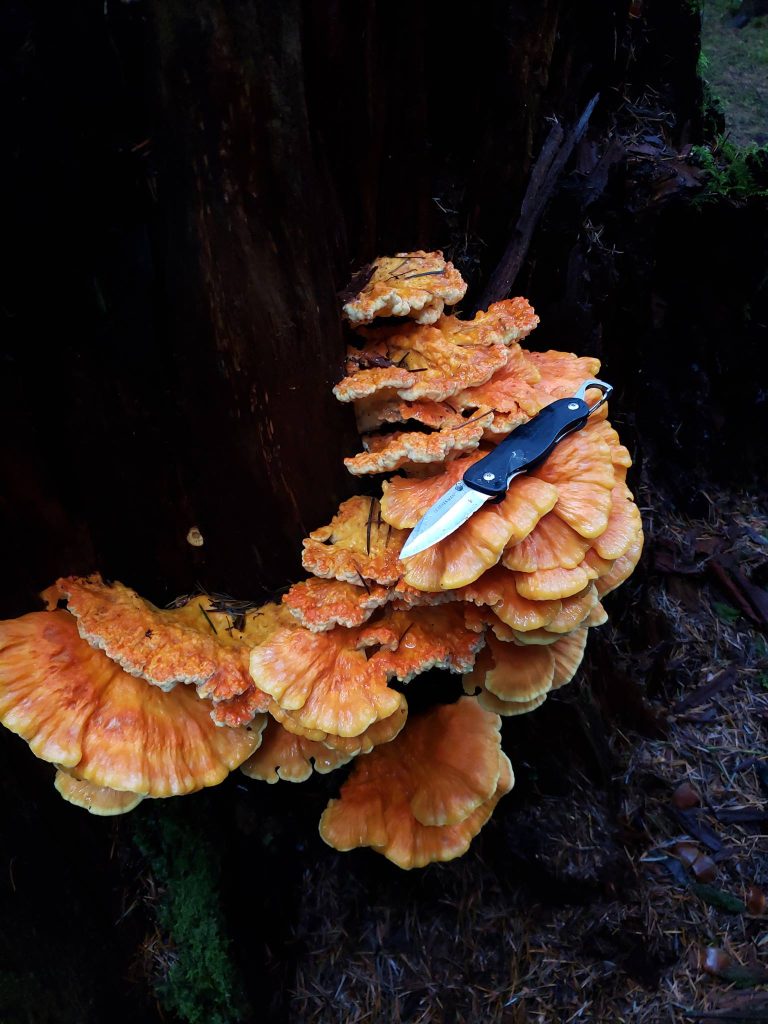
[195, 182]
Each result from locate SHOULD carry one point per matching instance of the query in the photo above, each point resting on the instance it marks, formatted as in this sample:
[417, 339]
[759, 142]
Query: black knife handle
[527, 445]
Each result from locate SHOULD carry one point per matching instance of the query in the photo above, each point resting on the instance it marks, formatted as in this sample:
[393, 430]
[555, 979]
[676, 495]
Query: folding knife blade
[446, 515]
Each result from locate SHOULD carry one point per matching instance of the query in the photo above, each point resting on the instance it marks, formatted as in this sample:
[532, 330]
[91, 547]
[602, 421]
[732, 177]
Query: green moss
[196, 979]
[732, 172]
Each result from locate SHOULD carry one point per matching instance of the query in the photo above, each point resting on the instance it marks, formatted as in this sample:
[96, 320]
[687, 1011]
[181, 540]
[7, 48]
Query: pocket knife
[488, 478]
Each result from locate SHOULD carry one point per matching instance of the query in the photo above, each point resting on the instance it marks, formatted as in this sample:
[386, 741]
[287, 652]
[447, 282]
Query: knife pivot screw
[573, 406]
[489, 476]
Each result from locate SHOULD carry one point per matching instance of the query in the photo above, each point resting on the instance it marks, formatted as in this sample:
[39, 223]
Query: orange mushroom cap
[163, 647]
[331, 683]
[417, 284]
[513, 680]
[381, 731]
[624, 525]
[506, 708]
[512, 673]
[387, 452]
[552, 544]
[581, 467]
[77, 708]
[423, 797]
[325, 679]
[562, 373]
[436, 365]
[382, 407]
[100, 800]
[574, 611]
[320, 604]
[622, 568]
[355, 546]
[568, 653]
[554, 584]
[496, 589]
[428, 637]
[476, 546]
[597, 617]
[509, 396]
[415, 362]
[282, 755]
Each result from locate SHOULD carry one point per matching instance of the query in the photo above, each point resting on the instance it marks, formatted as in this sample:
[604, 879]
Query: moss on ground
[194, 977]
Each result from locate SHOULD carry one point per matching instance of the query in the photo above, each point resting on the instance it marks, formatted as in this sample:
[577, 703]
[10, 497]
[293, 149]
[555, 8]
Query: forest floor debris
[626, 881]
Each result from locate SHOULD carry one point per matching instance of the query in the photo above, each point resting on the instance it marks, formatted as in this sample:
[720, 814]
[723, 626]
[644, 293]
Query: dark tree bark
[195, 182]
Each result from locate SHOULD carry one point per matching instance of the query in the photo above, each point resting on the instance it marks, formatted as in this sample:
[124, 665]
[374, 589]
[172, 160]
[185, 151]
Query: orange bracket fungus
[81, 711]
[163, 647]
[507, 600]
[99, 800]
[424, 796]
[417, 284]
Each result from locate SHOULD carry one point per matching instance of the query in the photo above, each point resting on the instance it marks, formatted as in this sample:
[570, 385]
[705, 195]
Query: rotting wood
[546, 173]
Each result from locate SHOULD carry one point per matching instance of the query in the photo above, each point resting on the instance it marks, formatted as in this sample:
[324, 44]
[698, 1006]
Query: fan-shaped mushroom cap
[387, 452]
[438, 364]
[428, 637]
[381, 408]
[581, 468]
[573, 611]
[554, 584]
[442, 360]
[568, 653]
[508, 708]
[497, 590]
[325, 679]
[476, 546]
[423, 797]
[282, 755]
[512, 680]
[77, 708]
[474, 684]
[330, 682]
[504, 322]
[372, 380]
[597, 617]
[100, 800]
[518, 674]
[416, 284]
[381, 731]
[624, 525]
[355, 546]
[552, 544]
[163, 647]
[320, 604]
[509, 396]
[621, 569]
[562, 373]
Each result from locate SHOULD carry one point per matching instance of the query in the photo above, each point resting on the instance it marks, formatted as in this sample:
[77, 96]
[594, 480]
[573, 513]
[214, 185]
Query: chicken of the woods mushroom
[132, 702]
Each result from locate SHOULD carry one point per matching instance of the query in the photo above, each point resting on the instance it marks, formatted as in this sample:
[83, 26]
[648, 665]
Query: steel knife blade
[489, 478]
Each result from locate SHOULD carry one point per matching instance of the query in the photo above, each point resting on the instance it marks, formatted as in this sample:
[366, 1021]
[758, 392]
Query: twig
[546, 172]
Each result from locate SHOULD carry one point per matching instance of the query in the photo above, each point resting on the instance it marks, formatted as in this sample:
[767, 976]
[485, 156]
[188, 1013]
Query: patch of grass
[736, 70]
[732, 172]
[194, 977]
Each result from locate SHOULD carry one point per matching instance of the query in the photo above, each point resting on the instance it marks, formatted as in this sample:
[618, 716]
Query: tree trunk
[195, 182]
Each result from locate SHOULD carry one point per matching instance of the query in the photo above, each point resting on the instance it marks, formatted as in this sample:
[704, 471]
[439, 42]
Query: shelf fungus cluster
[131, 702]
